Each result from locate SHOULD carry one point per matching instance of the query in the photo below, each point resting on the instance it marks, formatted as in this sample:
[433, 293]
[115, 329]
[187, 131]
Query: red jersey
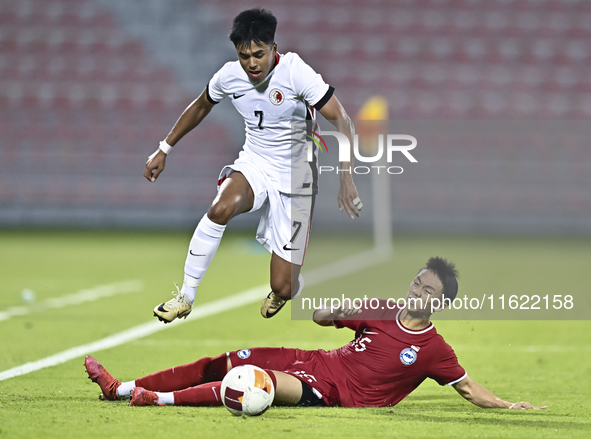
[387, 361]
[384, 363]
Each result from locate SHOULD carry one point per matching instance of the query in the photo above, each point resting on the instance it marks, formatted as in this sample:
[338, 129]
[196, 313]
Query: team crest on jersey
[244, 354]
[276, 96]
[408, 356]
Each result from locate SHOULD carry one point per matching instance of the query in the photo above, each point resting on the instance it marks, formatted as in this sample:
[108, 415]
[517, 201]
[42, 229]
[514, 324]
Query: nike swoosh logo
[238, 96]
[269, 315]
[365, 331]
[289, 249]
[194, 254]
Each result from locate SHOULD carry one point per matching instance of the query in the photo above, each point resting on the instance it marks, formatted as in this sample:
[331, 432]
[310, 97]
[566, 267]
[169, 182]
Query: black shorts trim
[322, 102]
[309, 398]
[209, 98]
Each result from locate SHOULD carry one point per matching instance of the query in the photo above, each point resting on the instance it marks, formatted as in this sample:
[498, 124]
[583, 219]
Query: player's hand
[349, 198]
[155, 165]
[524, 406]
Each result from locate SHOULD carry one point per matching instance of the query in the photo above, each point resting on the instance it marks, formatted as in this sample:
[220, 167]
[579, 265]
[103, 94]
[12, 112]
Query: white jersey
[275, 113]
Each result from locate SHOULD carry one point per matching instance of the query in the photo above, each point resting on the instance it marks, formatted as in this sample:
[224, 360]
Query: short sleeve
[308, 84]
[346, 323]
[445, 369]
[214, 88]
[367, 317]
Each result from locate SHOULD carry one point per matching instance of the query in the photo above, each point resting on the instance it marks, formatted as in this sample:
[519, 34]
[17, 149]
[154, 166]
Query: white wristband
[165, 147]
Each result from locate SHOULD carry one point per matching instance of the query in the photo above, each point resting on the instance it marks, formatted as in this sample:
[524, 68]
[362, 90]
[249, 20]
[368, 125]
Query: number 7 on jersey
[259, 113]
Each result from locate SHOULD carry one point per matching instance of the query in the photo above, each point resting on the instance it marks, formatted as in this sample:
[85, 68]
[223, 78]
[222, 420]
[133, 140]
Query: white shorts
[286, 219]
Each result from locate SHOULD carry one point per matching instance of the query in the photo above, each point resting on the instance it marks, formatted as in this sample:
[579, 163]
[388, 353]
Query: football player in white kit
[278, 96]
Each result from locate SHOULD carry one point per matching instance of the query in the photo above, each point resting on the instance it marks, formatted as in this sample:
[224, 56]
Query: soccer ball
[247, 390]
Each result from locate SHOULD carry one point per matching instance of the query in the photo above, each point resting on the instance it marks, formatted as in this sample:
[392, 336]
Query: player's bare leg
[288, 390]
[234, 197]
[285, 278]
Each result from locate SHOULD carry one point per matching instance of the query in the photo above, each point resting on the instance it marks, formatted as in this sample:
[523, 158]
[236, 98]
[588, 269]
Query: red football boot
[98, 374]
[142, 397]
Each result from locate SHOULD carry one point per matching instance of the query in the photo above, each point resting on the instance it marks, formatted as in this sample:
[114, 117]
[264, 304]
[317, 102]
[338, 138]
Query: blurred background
[498, 95]
[89, 87]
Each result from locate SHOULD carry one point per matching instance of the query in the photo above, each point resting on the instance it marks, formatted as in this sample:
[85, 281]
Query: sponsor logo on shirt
[408, 356]
[244, 354]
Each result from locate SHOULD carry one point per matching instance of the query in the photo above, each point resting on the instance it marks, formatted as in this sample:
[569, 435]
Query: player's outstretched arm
[348, 196]
[484, 398]
[190, 118]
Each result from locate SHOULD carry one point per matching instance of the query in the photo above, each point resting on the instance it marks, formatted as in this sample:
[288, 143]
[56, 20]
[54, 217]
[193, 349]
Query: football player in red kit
[393, 352]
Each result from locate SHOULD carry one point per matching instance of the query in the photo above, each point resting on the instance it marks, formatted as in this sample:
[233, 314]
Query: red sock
[208, 394]
[204, 370]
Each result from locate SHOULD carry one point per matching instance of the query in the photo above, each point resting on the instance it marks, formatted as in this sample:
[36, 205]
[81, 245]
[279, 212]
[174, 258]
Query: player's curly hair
[447, 274]
[255, 25]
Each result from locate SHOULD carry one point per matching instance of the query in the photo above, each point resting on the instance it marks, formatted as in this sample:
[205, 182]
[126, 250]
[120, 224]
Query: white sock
[165, 398]
[300, 288]
[202, 248]
[126, 388]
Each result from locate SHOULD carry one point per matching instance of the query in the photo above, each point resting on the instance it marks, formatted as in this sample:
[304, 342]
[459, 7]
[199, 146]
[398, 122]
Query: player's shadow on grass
[519, 418]
[469, 415]
[429, 397]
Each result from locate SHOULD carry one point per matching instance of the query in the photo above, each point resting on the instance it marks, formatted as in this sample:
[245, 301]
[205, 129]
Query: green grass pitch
[544, 362]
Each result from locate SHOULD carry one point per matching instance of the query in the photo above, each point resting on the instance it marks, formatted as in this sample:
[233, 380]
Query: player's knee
[222, 211]
[216, 369]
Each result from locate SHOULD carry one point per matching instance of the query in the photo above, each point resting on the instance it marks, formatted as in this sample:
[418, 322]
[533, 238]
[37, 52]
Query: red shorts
[311, 367]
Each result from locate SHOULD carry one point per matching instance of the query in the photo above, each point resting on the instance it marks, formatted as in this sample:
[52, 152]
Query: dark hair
[256, 25]
[447, 274]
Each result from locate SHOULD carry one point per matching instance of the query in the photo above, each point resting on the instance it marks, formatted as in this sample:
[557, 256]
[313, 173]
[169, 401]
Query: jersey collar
[411, 331]
[271, 73]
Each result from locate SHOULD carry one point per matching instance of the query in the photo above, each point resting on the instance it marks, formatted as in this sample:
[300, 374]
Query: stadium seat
[82, 72]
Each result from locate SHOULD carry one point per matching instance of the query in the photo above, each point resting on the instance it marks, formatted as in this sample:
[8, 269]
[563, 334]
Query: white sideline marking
[86, 295]
[134, 333]
[349, 265]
